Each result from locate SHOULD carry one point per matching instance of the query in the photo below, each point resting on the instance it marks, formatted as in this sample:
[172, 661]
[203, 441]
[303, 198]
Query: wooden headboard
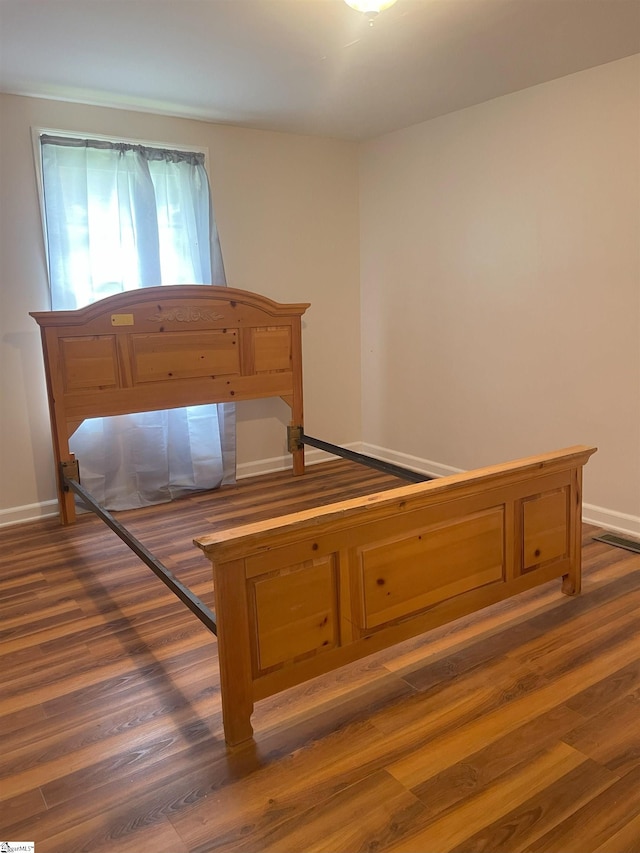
[165, 347]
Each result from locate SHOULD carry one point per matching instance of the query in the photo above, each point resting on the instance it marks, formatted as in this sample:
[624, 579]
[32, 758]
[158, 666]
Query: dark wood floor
[517, 729]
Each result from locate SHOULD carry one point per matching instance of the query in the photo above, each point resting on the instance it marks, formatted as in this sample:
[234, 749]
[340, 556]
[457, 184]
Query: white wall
[287, 212]
[500, 280]
[500, 283]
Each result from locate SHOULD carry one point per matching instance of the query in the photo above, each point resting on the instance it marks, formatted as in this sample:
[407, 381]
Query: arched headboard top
[232, 304]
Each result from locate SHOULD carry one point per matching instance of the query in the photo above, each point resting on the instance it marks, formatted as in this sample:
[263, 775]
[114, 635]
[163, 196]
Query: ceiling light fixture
[370, 7]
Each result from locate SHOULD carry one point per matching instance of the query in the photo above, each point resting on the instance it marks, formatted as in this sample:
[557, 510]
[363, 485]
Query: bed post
[572, 581]
[234, 651]
[297, 409]
[64, 460]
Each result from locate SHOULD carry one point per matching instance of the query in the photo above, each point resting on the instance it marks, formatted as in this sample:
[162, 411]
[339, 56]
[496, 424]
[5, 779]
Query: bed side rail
[297, 439]
[195, 604]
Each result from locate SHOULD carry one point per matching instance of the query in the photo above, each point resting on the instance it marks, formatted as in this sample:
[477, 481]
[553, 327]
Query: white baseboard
[617, 522]
[47, 509]
[29, 512]
[609, 519]
[415, 463]
[262, 466]
[282, 463]
[313, 457]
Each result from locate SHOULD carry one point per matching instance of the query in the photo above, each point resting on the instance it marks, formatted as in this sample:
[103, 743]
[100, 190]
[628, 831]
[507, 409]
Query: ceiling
[304, 66]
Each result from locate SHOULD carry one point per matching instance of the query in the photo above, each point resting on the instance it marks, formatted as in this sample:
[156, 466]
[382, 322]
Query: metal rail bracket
[69, 470]
[294, 438]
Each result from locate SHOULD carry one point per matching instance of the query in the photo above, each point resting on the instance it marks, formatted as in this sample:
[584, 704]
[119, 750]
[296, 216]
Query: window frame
[37, 131]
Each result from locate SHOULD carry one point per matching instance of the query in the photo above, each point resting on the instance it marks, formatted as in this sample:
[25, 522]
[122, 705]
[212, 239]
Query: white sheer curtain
[120, 217]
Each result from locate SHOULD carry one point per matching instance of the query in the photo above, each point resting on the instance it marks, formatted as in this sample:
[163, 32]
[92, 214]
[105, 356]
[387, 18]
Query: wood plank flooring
[515, 730]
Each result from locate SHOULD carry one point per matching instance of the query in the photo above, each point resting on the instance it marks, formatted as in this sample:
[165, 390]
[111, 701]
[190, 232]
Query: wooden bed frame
[166, 347]
[303, 594]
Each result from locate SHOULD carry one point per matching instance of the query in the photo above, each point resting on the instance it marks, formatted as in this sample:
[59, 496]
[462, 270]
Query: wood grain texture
[390, 566]
[513, 729]
[167, 347]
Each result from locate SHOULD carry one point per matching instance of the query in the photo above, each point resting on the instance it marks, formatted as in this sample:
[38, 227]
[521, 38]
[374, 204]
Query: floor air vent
[619, 542]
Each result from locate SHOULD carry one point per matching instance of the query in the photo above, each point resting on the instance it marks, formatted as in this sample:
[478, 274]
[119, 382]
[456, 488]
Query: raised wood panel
[185, 355]
[545, 524]
[404, 575]
[295, 612]
[89, 362]
[271, 348]
[149, 396]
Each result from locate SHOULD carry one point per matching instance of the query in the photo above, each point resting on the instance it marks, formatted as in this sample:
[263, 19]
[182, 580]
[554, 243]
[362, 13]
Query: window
[118, 216]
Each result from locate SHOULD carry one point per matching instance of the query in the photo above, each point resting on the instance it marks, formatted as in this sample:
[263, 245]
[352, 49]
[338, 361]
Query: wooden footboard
[303, 594]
